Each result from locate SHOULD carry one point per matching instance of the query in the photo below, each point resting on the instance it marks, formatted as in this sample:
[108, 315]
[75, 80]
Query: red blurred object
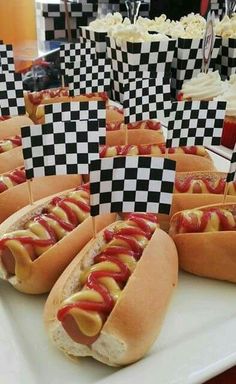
[229, 133]
[204, 7]
[228, 377]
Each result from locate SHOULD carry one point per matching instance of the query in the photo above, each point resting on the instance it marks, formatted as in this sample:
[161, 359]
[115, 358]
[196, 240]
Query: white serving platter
[198, 339]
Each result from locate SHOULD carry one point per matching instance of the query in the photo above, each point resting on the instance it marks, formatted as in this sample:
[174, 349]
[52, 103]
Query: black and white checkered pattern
[226, 61]
[74, 52]
[6, 58]
[11, 94]
[89, 76]
[131, 184]
[78, 110]
[218, 7]
[60, 149]
[232, 171]
[187, 61]
[51, 17]
[99, 38]
[195, 123]
[146, 99]
[151, 56]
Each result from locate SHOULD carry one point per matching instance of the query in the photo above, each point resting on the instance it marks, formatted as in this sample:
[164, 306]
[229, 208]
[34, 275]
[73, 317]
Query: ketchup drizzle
[42, 220]
[109, 253]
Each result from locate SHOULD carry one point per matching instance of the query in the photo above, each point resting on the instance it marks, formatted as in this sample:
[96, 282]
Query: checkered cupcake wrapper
[131, 184]
[187, 61]
[60, 149]
[226, 61]
[195, 123]
[153, 56]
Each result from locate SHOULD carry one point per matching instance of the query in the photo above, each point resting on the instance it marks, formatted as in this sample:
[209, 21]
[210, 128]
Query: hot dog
[142, 132]
[195, 189]
[12, 126]
[39, 241]
[9, 143]
[200, 159]
[12, 178]
[34, 101]
[114, 116]
[205, 238]
[110, 302]
[14, 192]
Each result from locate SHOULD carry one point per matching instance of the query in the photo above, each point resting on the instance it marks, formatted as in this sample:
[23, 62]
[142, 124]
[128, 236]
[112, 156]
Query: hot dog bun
[114, 114]
[200, 158]
[142, 132]
[201, 161]
[36, 276]
[210, 253]
[17, 197]
[12, 126]
[191, 199]
[35, 101]
[136, 319]
[11, 159]
[185, 163]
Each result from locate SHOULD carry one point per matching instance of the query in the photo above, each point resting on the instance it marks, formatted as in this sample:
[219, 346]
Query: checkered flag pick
[74, 52]
[6, 58]
[11, 95]
[75, 110]
[90, 76]
[146, 99]
[195, 123]
[131, 184]
[60, 149]
[232, 171]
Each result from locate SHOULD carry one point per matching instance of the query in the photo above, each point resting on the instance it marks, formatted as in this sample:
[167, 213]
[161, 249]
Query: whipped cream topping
[133, 33]
[230, 97]
[205, 86]
[226, 27]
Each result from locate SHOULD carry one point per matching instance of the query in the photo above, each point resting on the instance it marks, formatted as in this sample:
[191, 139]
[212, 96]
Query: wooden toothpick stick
[31, 200]
[67, 19]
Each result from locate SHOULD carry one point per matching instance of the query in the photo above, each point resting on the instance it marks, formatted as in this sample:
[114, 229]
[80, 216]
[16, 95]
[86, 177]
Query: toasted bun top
[12, 126]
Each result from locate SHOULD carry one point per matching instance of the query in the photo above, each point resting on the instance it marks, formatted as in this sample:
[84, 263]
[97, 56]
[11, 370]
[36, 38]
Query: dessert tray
[197, 342]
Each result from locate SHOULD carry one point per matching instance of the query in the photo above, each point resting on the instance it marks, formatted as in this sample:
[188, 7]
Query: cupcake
[205, 86]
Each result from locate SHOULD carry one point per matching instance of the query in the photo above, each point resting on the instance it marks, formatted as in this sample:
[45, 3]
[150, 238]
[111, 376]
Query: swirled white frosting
[205, 86]
[230, 97]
